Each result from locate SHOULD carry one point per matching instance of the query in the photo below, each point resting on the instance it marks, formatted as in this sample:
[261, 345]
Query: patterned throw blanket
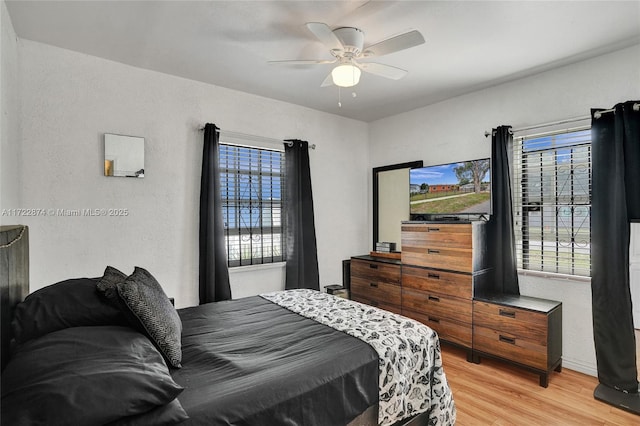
[412, 380]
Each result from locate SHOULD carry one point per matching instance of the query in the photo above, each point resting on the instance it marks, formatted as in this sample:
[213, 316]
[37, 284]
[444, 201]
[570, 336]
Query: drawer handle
[509, 340]
[436, 320]
[434, 276]
[374, 285]
[373, 266]
[430, 229]
[434, 298]
[432, 251]
[510, 314]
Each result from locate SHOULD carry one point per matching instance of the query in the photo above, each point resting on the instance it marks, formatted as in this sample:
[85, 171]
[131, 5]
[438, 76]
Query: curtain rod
[596, 115]
[254, 137]
[537, 126]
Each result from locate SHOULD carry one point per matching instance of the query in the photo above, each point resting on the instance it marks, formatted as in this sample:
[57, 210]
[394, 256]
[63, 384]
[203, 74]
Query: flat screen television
[460, 190]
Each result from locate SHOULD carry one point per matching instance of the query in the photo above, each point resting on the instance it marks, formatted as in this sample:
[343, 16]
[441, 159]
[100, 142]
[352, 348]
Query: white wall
[69, 100]
[9, 101]
[454, 129]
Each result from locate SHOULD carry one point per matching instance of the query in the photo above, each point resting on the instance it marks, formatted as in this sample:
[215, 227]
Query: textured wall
[454, 130]
[9, 119]
[69, 100]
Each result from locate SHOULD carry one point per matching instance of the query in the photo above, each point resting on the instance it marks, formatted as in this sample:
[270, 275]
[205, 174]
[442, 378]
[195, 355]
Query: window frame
[255, 229]
[577, 270]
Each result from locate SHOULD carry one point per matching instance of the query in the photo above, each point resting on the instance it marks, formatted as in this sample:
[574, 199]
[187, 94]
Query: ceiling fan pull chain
[339, 98]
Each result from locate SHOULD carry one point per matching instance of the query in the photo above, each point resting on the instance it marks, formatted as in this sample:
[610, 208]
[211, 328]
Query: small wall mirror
[123, 156]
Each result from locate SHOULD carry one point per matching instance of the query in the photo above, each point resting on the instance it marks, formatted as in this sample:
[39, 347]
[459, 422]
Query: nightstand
[525, 331]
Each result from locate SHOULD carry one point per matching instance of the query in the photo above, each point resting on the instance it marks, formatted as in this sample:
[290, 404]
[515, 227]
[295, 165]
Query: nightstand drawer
[442, 282]
[435, 304]
[375, 290]
[509, 346]
[375, 271]
[525, 324]
[448, 330]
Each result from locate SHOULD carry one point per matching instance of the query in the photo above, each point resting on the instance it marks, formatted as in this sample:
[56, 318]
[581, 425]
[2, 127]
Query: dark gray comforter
[251, 362]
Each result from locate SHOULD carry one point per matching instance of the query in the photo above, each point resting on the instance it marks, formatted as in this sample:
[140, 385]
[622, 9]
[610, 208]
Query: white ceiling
[470, 45]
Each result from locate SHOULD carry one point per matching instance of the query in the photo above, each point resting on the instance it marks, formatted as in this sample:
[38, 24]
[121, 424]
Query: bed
[292, 357]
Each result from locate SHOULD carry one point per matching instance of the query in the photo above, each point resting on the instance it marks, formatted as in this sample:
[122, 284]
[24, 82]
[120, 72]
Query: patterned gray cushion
[107, 284]
[152, 310]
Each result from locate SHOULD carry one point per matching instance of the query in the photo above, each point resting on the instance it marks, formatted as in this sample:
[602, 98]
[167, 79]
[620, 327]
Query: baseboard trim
[580, 367]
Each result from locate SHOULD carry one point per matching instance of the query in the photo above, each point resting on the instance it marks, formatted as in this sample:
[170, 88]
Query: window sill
[262, 266]
[554, 276]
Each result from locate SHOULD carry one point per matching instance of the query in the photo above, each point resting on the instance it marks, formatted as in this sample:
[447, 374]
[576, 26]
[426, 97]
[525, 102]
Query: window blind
[552, 202]
[251, 191]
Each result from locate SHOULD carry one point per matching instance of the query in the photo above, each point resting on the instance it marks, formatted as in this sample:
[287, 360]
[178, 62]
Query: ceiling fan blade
[383, 70]
[303, 62]
[327, 81]
[325, 35]
[394, 44]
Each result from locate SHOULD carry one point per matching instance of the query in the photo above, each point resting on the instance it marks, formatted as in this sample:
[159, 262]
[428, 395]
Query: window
[251, 190]
[552, 202]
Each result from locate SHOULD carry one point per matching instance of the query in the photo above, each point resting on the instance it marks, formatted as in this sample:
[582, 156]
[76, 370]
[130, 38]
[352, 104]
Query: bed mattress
[252, 362]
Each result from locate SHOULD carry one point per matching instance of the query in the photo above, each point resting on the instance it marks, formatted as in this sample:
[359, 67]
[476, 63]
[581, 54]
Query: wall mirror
[123, 156]
[391, 201]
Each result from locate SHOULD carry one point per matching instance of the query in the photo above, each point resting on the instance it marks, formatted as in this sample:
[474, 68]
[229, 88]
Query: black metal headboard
[14, 278]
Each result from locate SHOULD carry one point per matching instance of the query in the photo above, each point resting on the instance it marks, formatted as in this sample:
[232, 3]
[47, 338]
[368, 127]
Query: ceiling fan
[346, 44]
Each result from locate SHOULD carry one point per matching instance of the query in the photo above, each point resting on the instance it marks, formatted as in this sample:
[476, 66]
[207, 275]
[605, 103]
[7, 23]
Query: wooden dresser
[523, 330]
[442, 264]
[444, 281]
[376, 281]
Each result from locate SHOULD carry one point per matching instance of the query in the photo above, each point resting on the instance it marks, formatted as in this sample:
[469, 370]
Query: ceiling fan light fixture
[346, 75]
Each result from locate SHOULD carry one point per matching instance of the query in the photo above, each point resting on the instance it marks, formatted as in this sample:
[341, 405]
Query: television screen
[453, 189]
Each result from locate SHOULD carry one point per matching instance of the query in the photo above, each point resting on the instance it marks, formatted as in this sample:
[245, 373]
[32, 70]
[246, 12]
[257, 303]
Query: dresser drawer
[377, 291]
[510, 346]
[378, 304]
[448, 330]
[526, 325]
[450, 259]
[437, 305]
[436, 281]
[437, 235]
[375, 271]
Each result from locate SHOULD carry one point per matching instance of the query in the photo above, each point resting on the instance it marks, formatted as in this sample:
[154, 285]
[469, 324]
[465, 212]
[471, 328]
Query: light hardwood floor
[495, 393]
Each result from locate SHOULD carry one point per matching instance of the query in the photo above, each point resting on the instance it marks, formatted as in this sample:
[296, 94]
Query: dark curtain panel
[615, 201]
[300, 231]
[214, 272]
[501, 238]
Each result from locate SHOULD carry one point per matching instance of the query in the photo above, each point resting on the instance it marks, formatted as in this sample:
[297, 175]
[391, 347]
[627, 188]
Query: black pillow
[85, 376]
[150, 308]
[70, 303]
